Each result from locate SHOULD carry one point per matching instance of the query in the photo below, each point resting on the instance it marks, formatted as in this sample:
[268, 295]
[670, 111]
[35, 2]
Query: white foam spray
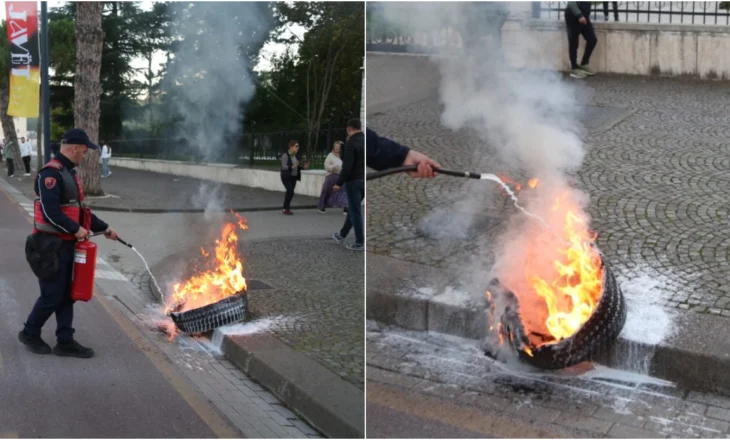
[154, 280]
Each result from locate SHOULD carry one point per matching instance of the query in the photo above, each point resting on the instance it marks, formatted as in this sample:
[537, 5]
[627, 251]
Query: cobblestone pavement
[597, 402]
[314, 291]
[656, 172]
[128, 189]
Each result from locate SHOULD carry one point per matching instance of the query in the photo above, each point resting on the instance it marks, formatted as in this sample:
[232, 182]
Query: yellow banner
[22, 29]
[24, 95]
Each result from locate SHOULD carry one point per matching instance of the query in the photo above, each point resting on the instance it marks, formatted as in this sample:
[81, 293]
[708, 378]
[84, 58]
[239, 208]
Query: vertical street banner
[22, 28]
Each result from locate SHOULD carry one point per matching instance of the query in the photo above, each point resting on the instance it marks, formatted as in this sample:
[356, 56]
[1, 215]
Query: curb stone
[696, 356]
[330, 404]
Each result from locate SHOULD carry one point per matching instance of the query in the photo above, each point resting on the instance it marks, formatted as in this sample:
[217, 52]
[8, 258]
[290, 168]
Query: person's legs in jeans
[355, 194]
[355, 204]
[348, 220]
[26, 162]
[105, 167]
[590, 35]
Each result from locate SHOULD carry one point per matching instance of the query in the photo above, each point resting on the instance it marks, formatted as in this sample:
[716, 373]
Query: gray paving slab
[656, 174]
[519, 402]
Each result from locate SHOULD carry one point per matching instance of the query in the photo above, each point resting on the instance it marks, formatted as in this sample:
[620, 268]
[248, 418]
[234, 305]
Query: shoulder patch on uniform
[50, 182]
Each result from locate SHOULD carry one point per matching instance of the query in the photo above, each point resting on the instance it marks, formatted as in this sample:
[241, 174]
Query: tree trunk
[12, 149]
[87, 87]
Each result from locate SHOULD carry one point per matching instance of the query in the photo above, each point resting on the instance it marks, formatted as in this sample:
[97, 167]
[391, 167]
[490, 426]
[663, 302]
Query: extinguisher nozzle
[124, 242]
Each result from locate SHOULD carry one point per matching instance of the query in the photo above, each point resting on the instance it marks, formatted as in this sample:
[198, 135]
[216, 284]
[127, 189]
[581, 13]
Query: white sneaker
[26, 174]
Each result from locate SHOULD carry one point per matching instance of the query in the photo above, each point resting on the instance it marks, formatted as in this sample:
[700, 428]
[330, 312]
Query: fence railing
[702, 13]
[257, 149]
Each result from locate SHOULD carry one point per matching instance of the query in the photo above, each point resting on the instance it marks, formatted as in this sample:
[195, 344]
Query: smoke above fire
[212, 79]
[212, 66]
[527, 120]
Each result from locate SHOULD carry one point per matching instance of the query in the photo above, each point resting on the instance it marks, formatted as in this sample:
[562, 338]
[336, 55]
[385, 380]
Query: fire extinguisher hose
[118, 239]
[379, 174]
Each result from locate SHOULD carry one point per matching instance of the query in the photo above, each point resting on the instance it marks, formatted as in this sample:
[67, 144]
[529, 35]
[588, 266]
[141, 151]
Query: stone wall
[627, 48]
[310, 185]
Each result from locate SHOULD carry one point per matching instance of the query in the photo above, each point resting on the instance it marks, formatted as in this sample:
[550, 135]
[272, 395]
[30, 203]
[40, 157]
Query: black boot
[34, 343]
[73, 349]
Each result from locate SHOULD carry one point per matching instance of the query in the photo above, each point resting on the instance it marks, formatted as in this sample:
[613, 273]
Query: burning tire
[596, 335]
[224, 312]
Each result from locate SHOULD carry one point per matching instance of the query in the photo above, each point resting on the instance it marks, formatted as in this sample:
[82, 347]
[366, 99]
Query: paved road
[448, 383]
[121, 391]
[317, 286]
[146, 191]
[657, 171]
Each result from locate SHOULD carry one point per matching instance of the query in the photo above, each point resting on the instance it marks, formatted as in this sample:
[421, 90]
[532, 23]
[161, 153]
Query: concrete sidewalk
[129, 190]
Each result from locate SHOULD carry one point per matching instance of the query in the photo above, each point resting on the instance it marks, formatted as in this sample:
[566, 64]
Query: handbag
[42, 254]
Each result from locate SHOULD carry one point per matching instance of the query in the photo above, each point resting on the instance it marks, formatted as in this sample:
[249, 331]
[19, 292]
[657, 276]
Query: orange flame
[223, 279]
[531, 183]
[572, 293]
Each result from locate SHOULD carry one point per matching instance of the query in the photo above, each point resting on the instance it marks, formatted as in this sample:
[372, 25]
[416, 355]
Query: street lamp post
[44, 83]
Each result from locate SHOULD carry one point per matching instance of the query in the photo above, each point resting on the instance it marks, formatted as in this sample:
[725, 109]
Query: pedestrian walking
[60, 218]
[615, 10]
[26, 150]
[577, 23]
[291, 173]
[352, 176]
[106, 154]
[9, 159]
[333, 165]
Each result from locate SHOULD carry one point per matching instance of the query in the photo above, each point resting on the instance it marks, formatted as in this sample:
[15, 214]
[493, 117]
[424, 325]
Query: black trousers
[26, 162]
[11, 167]
[615, 10]
[56, 298]
[575, 30]
[289, 183]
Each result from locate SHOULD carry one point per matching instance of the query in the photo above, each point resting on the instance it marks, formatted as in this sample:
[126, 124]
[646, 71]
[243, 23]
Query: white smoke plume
[211, 62]
[528, 116]
[212, 69]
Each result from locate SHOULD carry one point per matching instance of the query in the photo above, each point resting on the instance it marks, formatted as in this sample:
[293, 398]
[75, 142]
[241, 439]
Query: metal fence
[704, 13]
[253, 149]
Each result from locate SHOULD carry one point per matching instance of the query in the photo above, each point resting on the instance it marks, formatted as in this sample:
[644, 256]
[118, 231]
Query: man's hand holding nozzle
[111, 234]
[424, 163]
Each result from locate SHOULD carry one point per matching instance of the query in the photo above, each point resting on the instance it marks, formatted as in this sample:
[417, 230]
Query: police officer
[60, 217]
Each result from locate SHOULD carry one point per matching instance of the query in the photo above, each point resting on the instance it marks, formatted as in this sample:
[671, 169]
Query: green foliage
[129, 32]
[141, 99]
[281, 98]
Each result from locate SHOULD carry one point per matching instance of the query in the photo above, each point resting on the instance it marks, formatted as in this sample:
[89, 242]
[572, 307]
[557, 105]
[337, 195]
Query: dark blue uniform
[56, 292]
[383, 153]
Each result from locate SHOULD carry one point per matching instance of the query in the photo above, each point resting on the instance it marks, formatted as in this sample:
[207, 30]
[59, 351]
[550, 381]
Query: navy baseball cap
[77, 136]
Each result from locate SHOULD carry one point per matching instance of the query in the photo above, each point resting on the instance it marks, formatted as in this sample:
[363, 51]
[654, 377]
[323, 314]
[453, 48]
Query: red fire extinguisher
[82, 284]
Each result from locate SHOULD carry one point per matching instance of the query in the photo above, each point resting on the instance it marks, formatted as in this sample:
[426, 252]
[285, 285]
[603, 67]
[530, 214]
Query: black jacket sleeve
[348, 163]
[97, 225]
[383, 153]
[51, 201]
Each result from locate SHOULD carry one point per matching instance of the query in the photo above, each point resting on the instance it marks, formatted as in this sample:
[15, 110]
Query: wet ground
[586, 400]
